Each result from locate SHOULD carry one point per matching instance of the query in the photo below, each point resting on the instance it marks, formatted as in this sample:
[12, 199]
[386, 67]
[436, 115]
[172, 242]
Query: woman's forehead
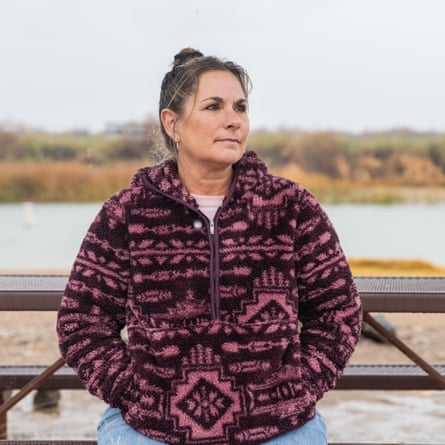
[219, 84]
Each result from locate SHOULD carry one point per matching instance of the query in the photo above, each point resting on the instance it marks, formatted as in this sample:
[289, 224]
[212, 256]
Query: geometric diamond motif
[271, 311]
[205, 404]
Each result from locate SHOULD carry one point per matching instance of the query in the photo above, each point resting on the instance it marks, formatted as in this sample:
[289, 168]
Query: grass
[76, 181]
[52, 181]
[340, 191]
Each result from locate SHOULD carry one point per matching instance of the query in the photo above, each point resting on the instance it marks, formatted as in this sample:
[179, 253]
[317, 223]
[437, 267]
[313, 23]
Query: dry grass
[74, 181]
[336, 191]
[52, 181]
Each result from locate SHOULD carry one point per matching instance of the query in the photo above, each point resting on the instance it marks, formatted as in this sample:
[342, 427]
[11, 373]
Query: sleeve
[330, 310]
[92, 311]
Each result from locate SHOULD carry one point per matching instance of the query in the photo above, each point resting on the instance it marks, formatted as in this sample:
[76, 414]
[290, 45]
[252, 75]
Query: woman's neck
[201, 181]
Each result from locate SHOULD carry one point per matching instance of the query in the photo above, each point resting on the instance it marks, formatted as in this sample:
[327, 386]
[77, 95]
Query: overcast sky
[349, 65]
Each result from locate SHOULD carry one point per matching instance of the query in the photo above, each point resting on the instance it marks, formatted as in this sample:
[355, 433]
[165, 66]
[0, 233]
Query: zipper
[213, 241]
[215, 296]
[214, 267]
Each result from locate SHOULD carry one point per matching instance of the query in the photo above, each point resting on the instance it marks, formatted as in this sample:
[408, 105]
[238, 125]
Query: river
[47, 236]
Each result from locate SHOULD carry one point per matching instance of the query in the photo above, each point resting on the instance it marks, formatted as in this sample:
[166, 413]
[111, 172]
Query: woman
[239, 304]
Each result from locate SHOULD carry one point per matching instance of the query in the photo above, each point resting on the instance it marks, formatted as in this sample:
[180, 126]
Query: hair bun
[186, 54]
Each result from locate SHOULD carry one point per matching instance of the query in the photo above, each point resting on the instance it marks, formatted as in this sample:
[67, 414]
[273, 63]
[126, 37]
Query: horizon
[21, 127]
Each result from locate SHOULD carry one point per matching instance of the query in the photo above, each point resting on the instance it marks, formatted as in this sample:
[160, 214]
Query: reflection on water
[42, 236]
[406, 231]
[47, 236]
[29, 214]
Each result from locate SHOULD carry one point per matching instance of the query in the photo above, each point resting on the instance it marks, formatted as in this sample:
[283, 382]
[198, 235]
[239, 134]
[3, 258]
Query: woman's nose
[233, 119]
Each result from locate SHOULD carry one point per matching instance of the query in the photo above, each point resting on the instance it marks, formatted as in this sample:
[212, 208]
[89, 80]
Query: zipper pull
[212, 227]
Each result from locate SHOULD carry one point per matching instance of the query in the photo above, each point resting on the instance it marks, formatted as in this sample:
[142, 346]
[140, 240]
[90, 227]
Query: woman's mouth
[229, 140]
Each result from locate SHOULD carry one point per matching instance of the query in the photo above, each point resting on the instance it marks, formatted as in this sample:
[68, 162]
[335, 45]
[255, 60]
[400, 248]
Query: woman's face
[214, 126]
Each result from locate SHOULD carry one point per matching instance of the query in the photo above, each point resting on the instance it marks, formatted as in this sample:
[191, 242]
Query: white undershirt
[209, 204]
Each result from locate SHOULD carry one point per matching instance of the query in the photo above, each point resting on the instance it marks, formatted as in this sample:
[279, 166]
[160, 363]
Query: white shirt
[209, 204]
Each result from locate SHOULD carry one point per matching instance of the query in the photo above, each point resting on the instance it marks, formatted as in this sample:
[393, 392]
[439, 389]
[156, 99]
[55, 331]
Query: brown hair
[182, 82]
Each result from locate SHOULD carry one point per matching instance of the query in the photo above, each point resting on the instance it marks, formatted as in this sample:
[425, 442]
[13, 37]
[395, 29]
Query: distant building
[130, 130]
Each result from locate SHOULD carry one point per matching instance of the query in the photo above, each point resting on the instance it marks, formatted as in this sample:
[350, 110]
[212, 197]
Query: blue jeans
[113, 430]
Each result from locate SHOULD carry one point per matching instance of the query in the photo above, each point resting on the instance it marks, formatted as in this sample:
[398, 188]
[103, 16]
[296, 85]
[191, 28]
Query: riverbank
[395, 165]
[73, 181]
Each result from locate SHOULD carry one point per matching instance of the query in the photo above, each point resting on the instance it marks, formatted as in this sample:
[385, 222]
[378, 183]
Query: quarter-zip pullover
[234, 332]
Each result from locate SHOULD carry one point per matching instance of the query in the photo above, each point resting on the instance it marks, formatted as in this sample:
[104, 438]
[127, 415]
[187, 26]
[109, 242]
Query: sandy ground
[407, 417]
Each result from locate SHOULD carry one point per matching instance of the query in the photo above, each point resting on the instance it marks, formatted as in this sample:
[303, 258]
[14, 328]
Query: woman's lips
[231, 140]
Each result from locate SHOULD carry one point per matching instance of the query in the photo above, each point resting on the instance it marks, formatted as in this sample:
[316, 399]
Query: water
[47, 236]
[42, 236]
[407, 231]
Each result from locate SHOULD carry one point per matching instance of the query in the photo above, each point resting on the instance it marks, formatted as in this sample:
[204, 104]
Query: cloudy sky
[349, 65]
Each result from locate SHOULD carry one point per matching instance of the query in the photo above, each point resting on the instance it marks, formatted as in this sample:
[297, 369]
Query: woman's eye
[242, 108]
[212, 107]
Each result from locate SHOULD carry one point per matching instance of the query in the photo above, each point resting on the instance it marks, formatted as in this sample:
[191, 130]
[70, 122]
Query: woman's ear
[168, 119]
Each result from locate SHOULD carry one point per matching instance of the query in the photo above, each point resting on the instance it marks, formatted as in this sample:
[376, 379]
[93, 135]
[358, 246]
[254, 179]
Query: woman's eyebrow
[213, 98]
[220, 99]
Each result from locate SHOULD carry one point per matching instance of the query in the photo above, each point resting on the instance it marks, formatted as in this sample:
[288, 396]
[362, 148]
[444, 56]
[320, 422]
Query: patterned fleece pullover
[235, 328]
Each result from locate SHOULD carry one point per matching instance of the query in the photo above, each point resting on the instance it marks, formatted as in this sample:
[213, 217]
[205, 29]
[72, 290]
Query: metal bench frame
[378, 294]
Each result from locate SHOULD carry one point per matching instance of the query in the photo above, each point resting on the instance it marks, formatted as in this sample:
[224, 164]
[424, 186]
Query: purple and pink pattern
[232, 336]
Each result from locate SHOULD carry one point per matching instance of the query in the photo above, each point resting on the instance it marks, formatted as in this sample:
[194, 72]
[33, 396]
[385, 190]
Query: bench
[378, 294]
